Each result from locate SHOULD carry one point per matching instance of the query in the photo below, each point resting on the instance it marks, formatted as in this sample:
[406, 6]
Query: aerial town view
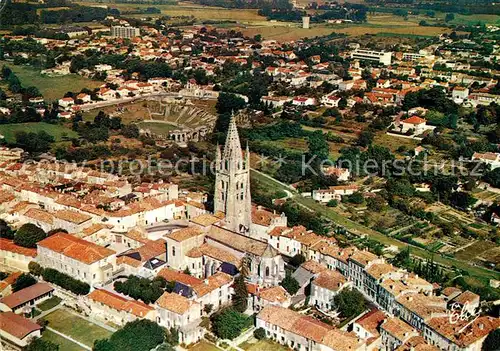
[249, 175]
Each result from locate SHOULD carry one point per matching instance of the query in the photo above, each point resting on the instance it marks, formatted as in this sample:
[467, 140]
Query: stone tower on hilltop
[232, 183]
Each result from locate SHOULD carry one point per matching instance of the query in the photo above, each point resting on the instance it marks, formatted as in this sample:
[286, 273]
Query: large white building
[383, 57]
[125, 32]
[77, 258]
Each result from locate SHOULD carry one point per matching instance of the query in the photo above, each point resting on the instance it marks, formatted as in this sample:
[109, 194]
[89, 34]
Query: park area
[52, 88]
[75, 327]
[59, 132]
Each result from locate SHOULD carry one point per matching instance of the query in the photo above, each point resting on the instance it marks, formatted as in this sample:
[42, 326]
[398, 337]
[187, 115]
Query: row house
[462, 335]
[107, 306]
[299, 332]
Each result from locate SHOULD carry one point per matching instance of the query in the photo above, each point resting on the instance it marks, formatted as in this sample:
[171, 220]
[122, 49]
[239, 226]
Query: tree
[462, 200]
[34, 142]
[42, 345]
[365, 138]
[35, 268]
[259, 333]
[342, 103]
[290, 284]
[229, 103]
[492, 341]
[5, 231]
[208, 308]
[240, 297]
[23, 281]
[332, 203]
[297, 260]
[228, 323]
[449, 17]
[139, 335]
[130, 131]
[28, 235]
[349, 302]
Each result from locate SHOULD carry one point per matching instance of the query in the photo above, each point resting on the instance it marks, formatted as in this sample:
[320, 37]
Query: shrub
[259, 333]
[35, 268]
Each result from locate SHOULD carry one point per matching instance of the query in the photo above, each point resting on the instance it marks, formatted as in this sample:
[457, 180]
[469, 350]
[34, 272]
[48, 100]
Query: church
[236, 236]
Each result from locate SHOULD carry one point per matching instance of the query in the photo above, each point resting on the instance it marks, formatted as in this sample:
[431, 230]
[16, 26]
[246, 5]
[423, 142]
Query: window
[267, 271]
[173, 251]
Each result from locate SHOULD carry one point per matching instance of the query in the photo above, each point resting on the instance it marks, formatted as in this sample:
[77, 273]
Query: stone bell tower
[232, 182]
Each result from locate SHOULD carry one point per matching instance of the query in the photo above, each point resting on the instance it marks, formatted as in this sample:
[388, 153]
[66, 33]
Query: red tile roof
[16, 325]
[27, 294]
[76, 248]
[8, 245]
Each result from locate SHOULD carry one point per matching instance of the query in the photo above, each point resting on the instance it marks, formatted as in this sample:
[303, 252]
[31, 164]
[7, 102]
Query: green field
[50, 303]
[78, 328]
[157, 127]
[52, 88]
[59, 132]
[64, 344]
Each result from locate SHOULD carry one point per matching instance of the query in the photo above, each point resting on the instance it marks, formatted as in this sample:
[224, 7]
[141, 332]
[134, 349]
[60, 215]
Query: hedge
[65, 281]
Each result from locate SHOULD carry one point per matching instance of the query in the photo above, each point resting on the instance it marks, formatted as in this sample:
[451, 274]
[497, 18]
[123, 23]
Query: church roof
[241, 243]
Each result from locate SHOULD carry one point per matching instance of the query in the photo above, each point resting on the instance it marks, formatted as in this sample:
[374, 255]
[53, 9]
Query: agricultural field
[189, 9]
[77, 328]
[52, 88]
[59, 132]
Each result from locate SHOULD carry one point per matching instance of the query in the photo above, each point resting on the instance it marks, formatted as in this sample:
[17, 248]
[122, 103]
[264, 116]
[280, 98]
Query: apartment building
[125, 32]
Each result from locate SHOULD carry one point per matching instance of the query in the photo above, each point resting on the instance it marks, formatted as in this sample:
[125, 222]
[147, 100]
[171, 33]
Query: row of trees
[15, 85]
[61, 279]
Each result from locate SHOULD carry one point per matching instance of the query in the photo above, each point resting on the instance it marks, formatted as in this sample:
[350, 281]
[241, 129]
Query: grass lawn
[157, 127]
[76, 327]
[59, 132]
[52, 88]
[64, 344]
[50, 303]
[263, 345]
[203, 346]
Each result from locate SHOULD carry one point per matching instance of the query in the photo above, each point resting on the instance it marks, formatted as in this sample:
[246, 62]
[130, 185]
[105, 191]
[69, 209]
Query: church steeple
[232, 182]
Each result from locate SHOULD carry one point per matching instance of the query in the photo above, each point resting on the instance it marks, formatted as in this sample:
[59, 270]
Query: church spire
[232, 182]
[232, 147]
